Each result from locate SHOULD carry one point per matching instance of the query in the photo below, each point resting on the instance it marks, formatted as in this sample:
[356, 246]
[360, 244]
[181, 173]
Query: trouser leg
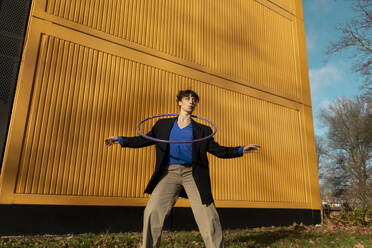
[206, 217]
[158, 207]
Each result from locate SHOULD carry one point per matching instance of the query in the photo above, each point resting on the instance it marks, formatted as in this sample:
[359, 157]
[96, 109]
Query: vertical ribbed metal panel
[241, 39]
[286, 4]
[82, 95]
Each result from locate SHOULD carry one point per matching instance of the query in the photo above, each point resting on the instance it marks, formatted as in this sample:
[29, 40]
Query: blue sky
[330, 76]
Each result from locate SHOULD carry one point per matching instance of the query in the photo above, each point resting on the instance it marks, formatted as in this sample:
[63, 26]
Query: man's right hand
[111, 140]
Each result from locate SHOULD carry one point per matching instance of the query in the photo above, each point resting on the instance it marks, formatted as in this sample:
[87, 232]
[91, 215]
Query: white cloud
[324, 77]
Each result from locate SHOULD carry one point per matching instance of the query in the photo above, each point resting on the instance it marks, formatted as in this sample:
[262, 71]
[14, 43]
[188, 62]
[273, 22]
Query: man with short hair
[182, 170]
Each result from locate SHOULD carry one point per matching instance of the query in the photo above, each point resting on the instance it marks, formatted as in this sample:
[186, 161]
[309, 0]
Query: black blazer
[200, 169]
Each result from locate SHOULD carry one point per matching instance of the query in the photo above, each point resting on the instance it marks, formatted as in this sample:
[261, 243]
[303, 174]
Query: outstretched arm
[222, 151]
[132, 142]
[230, 152]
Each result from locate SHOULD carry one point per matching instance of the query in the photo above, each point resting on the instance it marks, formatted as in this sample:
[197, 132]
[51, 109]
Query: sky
[330, 76]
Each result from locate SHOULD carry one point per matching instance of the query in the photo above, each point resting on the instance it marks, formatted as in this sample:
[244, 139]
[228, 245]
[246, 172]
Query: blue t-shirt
[180, 153]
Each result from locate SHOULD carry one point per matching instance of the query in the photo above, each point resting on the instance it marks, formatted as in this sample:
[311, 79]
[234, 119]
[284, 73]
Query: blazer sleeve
[139, 141]
[222, 151]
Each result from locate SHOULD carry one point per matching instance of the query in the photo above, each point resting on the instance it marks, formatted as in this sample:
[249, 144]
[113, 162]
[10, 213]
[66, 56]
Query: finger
[251, 151]
[253, 148]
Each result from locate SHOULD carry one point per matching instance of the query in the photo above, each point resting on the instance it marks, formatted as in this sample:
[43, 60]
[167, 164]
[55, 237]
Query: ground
[332, 233]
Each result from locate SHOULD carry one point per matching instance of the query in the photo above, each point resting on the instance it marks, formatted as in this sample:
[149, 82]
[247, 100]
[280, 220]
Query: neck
[184, 116]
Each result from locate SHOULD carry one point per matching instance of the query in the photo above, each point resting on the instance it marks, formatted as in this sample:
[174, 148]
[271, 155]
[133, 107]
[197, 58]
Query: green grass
[295, 236]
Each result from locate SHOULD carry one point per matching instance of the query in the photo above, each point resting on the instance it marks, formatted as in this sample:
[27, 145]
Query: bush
[357, 217]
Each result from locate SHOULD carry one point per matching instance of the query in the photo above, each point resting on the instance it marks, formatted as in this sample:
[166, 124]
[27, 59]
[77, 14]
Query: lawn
[293, 236]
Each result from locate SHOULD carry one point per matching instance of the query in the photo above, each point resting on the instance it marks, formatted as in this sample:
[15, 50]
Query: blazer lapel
[165, 132]
[196, 134]
[169, 127]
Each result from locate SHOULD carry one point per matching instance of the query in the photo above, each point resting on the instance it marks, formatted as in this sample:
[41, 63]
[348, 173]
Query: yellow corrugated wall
[242, 39]
[93, 69]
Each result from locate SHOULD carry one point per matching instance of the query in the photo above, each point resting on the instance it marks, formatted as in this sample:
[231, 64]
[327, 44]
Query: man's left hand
[251, 148]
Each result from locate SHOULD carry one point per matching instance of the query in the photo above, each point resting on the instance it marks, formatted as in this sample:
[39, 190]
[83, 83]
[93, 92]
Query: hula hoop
[175, 141]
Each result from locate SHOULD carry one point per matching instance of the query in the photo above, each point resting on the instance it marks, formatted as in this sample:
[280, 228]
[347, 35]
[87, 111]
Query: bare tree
[334, 178]
[321, 150]
[349, 139]
[321, 155]
[357, 33]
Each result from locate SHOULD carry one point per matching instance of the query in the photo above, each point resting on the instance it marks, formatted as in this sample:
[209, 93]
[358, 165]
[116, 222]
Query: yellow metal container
[95, 68]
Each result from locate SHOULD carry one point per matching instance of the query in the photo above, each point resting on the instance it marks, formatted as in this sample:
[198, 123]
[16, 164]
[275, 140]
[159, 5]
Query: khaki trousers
[174, 178]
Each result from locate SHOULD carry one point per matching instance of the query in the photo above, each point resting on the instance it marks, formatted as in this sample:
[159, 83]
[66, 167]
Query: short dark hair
[183, 93]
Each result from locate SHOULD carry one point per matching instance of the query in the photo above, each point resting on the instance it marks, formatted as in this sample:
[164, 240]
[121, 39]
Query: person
[181, 170]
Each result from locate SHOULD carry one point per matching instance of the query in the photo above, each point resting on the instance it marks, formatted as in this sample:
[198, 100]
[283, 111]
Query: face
[187, 104]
